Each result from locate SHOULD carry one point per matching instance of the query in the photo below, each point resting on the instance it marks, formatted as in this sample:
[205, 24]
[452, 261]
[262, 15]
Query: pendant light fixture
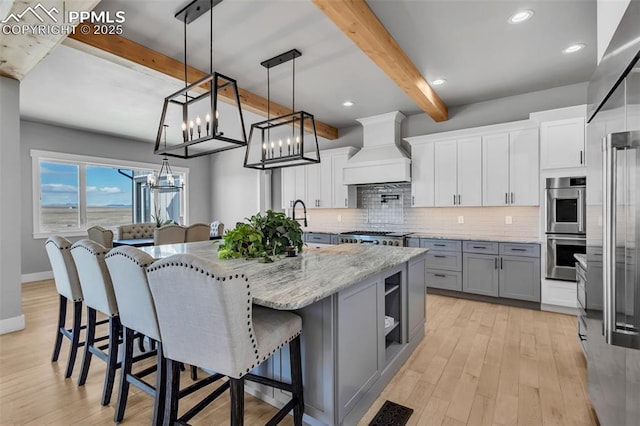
[164, 180]
[200, 125]
[280, 142]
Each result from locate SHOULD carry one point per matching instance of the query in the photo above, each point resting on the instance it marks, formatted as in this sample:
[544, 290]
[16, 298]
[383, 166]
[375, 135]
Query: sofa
[136, 230]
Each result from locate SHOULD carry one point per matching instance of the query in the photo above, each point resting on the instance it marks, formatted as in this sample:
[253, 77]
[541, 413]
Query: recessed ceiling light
[438, 82]
[347, 103]
[574, 48]
[521, 16]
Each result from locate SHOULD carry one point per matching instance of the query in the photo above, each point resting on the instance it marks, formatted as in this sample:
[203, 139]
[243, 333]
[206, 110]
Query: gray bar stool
[98, 296]
[68, 287]
[206, 318]
[127, 267]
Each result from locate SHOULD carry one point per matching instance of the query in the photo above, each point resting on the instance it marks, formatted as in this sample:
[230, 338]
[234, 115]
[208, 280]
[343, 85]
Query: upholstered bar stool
[99, 297]
[206, 318]
[127, 267]
[68, 287]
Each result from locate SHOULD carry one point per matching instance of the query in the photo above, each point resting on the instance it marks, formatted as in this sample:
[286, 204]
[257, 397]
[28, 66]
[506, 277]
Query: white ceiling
[469, 43]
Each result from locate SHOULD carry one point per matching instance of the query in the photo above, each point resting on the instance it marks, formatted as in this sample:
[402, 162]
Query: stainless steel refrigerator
[612, 311]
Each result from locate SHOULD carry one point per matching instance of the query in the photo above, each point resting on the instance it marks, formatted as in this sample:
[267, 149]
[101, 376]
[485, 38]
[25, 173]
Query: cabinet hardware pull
[495, 263]
[439, 256]
[480, 247]
[439, 275]
[440, 245]
[500, 263]
[345, 202]
[454, 199]
[580, 156]
[413, 200]
[459, 197]
[506, 198]
[512, 198]
[518, 249]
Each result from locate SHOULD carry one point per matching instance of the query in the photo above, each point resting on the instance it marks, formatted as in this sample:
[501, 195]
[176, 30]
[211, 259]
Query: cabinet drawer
[448, 280]
[519, 249]
[440, 245]
[482, 247]
[318, 238]
[448, 260]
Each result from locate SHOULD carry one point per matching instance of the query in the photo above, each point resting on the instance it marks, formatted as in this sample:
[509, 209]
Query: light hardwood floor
[478, 364]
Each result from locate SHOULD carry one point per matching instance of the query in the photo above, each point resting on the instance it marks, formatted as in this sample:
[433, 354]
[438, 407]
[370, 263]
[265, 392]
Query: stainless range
[395, 239]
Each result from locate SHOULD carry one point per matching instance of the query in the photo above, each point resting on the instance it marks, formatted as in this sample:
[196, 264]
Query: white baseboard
[559, 309]
[37, 276]
[12, 324]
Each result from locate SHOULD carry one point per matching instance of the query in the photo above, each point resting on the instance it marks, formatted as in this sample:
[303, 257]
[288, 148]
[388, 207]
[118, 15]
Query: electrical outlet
[460, 219]
[339, 218]
[508, 220]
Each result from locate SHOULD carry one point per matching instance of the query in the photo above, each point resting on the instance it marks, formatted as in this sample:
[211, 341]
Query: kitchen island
[344, 294]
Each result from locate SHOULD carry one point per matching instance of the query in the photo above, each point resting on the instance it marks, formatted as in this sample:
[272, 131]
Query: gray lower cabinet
[416, 315]
[520, 278]
[444, 263]
[481, 274]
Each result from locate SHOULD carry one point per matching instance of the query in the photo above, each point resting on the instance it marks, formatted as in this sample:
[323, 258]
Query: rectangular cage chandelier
[193, 123]
[280, 141]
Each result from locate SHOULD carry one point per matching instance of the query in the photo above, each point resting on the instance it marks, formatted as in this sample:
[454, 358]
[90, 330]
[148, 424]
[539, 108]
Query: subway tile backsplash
[396, 214]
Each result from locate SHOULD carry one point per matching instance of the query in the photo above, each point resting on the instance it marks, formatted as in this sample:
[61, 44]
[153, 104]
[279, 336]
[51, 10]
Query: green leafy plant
[159, 222]
[279, 231]
[264, 236]
[242, 241]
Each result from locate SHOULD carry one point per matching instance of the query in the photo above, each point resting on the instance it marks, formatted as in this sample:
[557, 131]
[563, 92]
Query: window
[73, 193]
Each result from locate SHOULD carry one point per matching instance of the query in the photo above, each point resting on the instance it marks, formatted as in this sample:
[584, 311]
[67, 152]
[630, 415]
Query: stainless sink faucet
[304, 209]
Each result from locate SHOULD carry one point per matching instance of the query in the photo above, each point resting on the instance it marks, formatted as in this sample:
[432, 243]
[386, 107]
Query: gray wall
[60, 139]
[10, 214]
[497, 111]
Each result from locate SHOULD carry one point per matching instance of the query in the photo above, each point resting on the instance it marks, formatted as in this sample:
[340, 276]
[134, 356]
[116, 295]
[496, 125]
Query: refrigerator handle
[610, 145]
[609, 158]
[581, 211]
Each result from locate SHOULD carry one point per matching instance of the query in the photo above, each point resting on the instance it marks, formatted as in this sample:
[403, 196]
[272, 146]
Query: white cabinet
[458, 172]
[294, 183]
[422, 175]
[510, 168]
[319, 185]
[469, 172]
[562, 143]
[344, 196]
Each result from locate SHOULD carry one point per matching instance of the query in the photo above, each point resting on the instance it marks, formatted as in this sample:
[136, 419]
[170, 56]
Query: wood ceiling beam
[360, 24]
[121, 50]
[21, 50]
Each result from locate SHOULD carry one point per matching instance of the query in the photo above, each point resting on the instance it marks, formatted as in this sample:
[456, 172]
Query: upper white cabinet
[469, 171]
[458, 172]
[510, 168]
[562, 143]
[422, 175]
[495, 165]
[319, 185]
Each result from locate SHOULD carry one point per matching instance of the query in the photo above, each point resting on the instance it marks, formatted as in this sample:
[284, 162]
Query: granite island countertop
[295, 282]
[582, 258]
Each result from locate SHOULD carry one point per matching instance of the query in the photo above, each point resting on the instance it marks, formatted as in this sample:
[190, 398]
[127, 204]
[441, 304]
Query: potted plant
[264, 236]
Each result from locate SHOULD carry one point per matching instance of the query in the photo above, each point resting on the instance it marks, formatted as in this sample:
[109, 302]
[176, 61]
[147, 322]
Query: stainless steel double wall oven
[565, 225]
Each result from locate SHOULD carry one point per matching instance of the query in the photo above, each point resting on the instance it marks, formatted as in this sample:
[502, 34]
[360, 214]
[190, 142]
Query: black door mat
[392, 414]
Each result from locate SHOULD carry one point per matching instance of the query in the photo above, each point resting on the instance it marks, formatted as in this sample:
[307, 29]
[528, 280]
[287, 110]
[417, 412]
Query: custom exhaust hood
[381, 160]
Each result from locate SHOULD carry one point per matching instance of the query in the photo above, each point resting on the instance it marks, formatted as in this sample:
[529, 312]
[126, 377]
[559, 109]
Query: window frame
[37, 156]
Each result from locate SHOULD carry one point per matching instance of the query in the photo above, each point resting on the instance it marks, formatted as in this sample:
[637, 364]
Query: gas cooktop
[385, 238]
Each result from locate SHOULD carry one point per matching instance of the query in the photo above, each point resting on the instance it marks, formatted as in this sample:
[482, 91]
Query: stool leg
[127, 359]
[161, 385]
[295, 360]
[88, 344]
[75, 337]
[172, 380]
[237, 402]
[62, 316]
[194, 372]
[112, 361]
